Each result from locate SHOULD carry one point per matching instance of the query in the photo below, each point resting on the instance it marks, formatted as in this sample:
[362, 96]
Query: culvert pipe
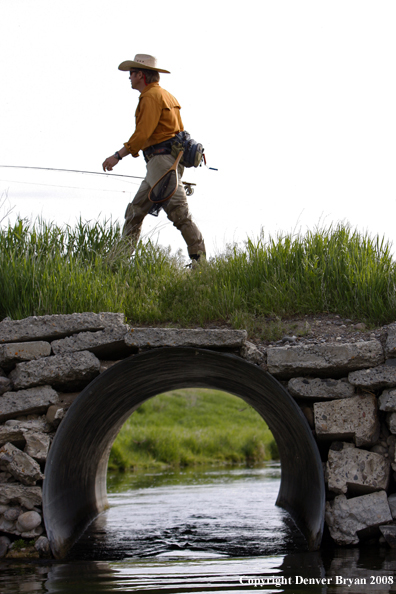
[74, 489]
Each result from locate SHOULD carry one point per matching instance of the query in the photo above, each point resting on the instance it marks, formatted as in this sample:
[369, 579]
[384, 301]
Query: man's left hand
[109, 163]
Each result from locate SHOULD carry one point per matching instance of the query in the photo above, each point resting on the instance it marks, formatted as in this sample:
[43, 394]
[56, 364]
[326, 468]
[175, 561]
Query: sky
[293, 100]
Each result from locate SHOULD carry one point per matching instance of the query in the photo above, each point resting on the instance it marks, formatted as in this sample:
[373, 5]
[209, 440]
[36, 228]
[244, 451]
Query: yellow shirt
[157, 119]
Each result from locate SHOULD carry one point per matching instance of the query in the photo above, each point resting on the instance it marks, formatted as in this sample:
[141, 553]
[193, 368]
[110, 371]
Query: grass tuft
[47, 269]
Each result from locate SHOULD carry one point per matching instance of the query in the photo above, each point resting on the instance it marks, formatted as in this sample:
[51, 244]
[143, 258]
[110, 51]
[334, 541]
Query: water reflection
[201, 531]
[220, 511]
[297, 573]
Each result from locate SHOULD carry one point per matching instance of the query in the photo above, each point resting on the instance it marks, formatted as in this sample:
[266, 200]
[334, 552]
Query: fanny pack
[193, 150]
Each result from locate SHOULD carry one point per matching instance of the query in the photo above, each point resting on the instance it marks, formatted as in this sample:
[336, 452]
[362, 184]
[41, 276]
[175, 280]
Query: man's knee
[179, 215]
[134, 216]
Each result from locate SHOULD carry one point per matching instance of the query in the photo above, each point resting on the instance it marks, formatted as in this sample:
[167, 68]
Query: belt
[162, 148]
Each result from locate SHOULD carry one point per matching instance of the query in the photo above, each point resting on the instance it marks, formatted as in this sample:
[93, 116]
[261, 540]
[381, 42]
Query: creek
[201, 530]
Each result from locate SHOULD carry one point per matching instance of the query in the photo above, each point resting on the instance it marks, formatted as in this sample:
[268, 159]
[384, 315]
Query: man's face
[134, 78]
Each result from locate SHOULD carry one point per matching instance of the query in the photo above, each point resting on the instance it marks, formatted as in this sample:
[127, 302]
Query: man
[157, 123]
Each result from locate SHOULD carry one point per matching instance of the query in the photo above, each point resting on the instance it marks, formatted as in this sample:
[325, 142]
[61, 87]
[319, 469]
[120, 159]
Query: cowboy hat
[142, 61]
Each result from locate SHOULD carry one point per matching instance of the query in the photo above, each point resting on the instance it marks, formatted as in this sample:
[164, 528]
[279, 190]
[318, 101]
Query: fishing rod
[69, 171]
[188, 185]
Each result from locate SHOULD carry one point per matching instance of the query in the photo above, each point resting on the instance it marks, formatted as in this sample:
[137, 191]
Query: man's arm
[112, 161]
[146, 122]
[147, 118]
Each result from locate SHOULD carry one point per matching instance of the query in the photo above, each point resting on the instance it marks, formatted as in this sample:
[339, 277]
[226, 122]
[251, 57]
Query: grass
[46, 269]
[189, 427]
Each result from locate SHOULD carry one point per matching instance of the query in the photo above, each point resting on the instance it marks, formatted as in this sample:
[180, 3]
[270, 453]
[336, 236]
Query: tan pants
[176, 208]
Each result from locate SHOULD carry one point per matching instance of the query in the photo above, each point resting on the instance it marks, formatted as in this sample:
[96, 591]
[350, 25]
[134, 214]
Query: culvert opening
[192, 427]
[204, 482]
[74, 490]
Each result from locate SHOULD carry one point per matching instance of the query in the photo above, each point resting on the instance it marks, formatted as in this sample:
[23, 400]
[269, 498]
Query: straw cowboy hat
[142, 61]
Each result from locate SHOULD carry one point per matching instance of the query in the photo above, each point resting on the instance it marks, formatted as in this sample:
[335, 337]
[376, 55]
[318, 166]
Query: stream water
[206, 530]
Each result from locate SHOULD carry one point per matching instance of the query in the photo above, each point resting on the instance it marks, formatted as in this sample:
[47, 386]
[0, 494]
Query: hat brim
[128, 64]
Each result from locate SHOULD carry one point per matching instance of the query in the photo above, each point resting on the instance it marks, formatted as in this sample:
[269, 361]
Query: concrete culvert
[74, 490]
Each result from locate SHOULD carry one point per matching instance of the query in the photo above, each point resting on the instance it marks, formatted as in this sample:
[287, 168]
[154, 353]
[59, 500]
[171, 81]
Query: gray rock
[33, 533]
[391, 445]
[54, 415]
[26, 402]
[172, 337]
[56, 326]
[37, 445]
[105, 343]
[379, 449]
[320, 389]
[346, 517]
[20, 465]
[392, 504]
[28, 521]
[391, 422]
[351, 418]
[10, 434]
[387, 401]
[28, 497]
[357, 471]
[62, 371]
[5, 385]
[43, 547]
[390, 346]
[10, 354]
[323, 360]
[251, 353]
[8, 526]
[4, 544]
[389, 533]
[40, 424]
[383, 376]
[287, 338]
[12, 513]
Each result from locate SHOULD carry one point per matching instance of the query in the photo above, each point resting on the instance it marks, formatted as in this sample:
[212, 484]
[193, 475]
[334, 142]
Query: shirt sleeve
[146, 122]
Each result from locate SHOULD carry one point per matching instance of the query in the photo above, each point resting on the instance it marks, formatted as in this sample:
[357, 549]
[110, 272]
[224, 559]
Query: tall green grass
[189, 427]
[47, 269]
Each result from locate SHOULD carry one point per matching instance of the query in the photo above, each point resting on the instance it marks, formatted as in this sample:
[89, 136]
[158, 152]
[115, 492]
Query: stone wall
[346, 391]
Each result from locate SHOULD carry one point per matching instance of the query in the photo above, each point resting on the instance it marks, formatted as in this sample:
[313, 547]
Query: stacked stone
[40, 375]
[342, 389]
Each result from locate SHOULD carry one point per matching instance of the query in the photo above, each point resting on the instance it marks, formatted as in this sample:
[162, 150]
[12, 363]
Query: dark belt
[162, 148]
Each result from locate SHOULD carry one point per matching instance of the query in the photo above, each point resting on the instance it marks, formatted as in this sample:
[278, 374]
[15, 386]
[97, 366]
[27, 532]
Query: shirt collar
[148, 87]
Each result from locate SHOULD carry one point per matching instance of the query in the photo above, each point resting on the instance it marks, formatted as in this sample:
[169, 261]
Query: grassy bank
[46, 269]
[189, 427]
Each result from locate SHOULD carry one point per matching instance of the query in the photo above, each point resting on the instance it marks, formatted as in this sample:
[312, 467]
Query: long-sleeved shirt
[157, 119]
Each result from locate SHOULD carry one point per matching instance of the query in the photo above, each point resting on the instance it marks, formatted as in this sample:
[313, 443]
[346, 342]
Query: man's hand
[112, 161]
[109, 163]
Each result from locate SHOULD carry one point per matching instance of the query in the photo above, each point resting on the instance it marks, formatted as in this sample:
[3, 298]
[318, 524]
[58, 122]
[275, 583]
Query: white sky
[293, 100]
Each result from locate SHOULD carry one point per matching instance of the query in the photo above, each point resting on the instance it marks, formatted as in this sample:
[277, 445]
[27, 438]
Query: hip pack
[193, 150]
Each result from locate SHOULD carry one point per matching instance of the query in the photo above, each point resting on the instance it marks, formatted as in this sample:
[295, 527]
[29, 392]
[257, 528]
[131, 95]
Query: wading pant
[176, 208]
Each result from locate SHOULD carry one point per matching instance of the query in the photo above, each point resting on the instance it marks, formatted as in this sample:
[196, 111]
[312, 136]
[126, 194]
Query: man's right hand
[109, 163]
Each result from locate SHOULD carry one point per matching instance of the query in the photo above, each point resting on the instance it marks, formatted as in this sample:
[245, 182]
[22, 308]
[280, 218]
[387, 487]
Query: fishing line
[69, 187]
[70, 171]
